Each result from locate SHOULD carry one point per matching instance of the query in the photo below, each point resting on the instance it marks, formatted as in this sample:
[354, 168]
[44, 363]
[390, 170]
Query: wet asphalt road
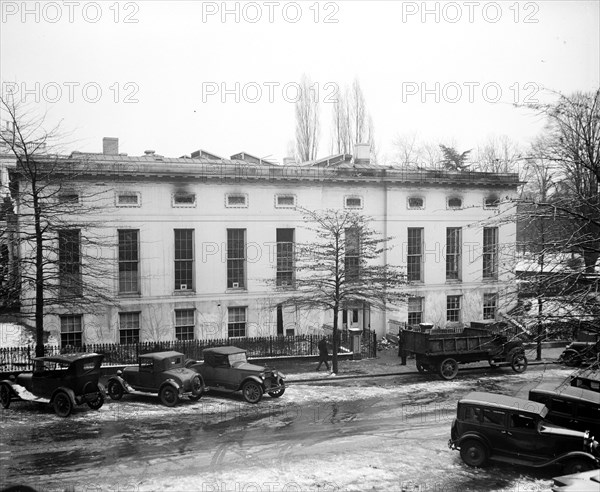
[360, 434]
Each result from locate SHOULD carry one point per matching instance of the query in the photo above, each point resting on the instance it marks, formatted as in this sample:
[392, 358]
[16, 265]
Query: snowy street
[356, 434]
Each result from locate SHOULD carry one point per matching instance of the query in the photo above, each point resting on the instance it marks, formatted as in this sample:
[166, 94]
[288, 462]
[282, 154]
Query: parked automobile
[491, 427]
[580, 353]
[227, 369]
[568, 406]
[61, 380]
[163, 373]
[588, 378]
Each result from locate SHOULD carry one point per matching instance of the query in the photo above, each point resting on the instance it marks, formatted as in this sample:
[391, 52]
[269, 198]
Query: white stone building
[194, 240]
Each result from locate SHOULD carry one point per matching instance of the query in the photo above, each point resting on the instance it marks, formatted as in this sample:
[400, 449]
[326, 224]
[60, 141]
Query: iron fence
[21, 358]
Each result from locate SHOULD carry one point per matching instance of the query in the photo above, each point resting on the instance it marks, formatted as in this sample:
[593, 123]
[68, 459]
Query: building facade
[202, 247]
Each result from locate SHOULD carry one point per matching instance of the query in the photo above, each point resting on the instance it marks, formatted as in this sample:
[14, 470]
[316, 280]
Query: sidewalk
[387, 362]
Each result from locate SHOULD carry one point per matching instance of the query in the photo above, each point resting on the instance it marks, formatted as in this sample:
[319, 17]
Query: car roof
[573, 392]
[162, 355]
[66, 358]
[223, 350]
[505, 402]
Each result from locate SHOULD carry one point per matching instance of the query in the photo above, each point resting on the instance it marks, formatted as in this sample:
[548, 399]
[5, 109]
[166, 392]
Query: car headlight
[262, 376]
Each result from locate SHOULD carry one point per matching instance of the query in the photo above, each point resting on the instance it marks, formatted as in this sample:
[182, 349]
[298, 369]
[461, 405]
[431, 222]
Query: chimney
[362, 153]
[110, 146]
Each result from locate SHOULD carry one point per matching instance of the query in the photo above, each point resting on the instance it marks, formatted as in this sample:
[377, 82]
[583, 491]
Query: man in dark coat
[323, 354]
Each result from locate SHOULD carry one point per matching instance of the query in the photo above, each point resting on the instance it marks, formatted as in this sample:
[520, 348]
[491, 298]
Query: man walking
[323, 355]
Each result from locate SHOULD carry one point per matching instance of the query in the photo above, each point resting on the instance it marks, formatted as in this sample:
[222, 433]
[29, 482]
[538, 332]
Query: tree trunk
[39, 279]
[334, 357]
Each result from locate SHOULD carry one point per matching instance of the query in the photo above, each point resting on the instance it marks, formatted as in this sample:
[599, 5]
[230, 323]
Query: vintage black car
[580, 353]
[569, 406]
[158, 372]
[61, 380]
[491, 427]
[227, 369]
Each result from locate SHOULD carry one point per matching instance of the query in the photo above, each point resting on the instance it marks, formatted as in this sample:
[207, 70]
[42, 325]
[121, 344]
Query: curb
[393, 374]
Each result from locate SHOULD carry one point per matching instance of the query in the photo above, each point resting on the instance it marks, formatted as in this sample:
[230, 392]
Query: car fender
[121, 381]
[253, 378]
[66, 390]
[567, 456]
[474, 436]
[171, 382]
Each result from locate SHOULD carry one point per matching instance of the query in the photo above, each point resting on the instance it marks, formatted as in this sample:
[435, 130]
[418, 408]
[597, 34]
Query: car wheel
[277, 393]
[197, 387]
[63, 406]
[168, 395]
[448, 368]
[473, 453]
[571, 358]
[5, 395]
[114, 390]
[97, 402]
[252, 392]
[518, 361]
[577, 465]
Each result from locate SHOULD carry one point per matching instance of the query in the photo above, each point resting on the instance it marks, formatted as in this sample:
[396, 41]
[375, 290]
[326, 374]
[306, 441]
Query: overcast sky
[153, 73]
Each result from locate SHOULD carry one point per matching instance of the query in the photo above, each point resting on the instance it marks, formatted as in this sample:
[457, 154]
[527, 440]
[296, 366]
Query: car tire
[114, 390]
[448, 368]
[97, 403]
[252, 391]
[197, 386]
[473, 453]
[518, 360]
[571, 358]
[277, 393]
[63, 406]
[168, 395]
[5, 395]
[577, 465]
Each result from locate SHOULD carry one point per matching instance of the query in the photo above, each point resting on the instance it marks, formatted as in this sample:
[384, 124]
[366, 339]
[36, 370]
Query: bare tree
[497, 155]
[339, 270]
[307, 122]
[60, 265]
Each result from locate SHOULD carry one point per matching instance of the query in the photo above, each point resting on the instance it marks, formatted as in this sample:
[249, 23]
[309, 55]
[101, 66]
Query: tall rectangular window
[453, 309]
[236, 322]
[490, 252]
[415, 310]
[184, 324]
[453, 253]
[70, 331]
[285, 257]
[236, 258]
[129, 261]
[129, 328]
[69, 262]
[184, 259]
[352, 250]
[490, 306]
[414, 257]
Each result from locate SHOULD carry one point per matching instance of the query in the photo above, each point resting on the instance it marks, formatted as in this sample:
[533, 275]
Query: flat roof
[573, 392]
[505, 402]
[223, 350]
[161, 355]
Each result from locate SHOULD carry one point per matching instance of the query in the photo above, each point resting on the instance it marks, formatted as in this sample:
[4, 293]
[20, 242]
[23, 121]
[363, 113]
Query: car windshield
[237, 359]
